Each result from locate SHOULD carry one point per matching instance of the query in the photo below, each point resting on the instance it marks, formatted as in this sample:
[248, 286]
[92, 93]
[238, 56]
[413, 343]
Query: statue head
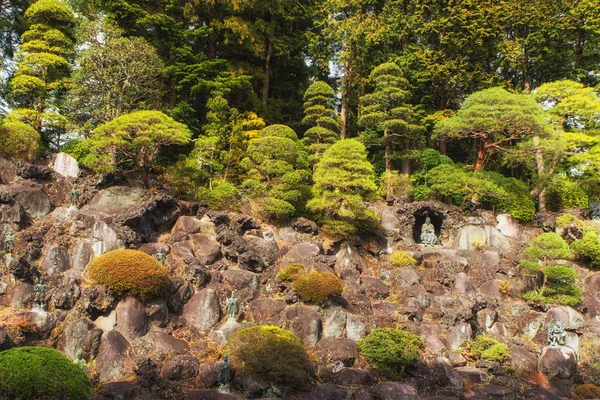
[428, 220]
[226, 358]
[233, 294]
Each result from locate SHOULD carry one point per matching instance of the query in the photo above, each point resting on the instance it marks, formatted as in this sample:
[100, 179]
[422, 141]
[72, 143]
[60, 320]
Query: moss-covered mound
[270, 353]
[130, 272]
[390, 350]
[316, 287]
[40, 373]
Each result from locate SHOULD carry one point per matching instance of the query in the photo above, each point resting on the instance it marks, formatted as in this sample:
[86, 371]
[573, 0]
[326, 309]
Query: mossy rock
[272, 354]
[130, 272]
[401, 259]
[40, 373]
[316, 287]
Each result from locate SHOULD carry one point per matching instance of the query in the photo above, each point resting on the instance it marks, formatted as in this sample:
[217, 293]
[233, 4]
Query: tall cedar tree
[343, 181]
[136, 139]
[43, 73]
[387, 111]
[320, 113]
[498, 120]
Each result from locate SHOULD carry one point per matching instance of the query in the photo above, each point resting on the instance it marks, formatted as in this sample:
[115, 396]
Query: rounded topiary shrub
[130, 272]
[548, 246]
[291, 272]
[40, 373]
[390, 350]
[316, 287]
[586, 391]
[401, 259]
[272, 354]
[486, 348]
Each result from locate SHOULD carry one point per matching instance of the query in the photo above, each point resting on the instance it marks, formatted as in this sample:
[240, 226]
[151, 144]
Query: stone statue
[225, 375]
[594, 207]
[556, 334]
[160, 256]
[4, 197]
[428, 237]
[74, 196]
[9, 243]
[232, 307]
[80, 360]
[40, 292]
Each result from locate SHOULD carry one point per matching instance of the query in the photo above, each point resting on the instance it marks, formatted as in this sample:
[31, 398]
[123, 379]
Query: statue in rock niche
[9, 243]
[40, 292]
[556, 334]
[428, 237]
[160, 256]
[232, 307]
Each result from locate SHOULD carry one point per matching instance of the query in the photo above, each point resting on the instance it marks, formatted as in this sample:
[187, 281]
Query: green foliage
[530, 265]
[79, 149]
[19, 140]
[320, 114]
[390, 350]
[396, 184]
[559, 287]
[548, 246]
[588, 247]
[272, 354]
[489, 349]
[316, 287]
[564, 194]
[130, 272]
[291, 272]
[135, 138]
[401, 259]
[41, 373]
[421, 193]
[274, 209]
[566, 220]
[223, 196]
[344, 179]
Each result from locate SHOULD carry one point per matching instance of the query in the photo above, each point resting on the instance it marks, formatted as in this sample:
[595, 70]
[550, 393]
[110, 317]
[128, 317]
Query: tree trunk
[345, 109]
[145, 177]
[443, 146]
[265, 92]
[388, 164]
[481, 154]
[406, 161]
[539, 158]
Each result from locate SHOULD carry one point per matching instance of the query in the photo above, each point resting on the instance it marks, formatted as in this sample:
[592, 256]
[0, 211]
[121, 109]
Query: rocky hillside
[169, 347]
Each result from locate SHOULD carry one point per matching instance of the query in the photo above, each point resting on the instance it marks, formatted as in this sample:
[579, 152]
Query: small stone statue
[40, 292]
[9, 243]
[225, 375]
[232, 307]
[80, 360]
[4, 198]
[428, 237]
[160, 256]
[74, 196]
[556, 334]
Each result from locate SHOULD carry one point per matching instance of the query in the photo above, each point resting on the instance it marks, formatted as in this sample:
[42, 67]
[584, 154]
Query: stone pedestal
[223, 332]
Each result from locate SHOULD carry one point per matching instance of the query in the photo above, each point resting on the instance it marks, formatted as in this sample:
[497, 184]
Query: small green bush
[530, 265]
[402, 259]
[548, 246]
[28, 373]
[130, 272]
[273, 209]
[270, 353]
[421, 193]
[588, 247]
[291, 272]
[316, 287]
[564, 194]
[390, 350]
[19, 140]
[79, 149]
[224, 196]
[559, 287]
[489, 349]
[566, 220]
[398, 184]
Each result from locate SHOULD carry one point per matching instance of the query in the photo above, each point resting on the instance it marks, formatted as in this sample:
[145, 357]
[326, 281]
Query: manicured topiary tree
[320, 114]
[271, 354]
[130, 272]
[559, 287]
[19, 140]
[343, 181]
[548, 246]
[135, 139]
[486, 348]
[316, 287]
[391, 350]
[40, 373]
[588, 247]
[278, 177]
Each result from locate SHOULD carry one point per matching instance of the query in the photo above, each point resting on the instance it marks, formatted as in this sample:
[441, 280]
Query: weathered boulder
[471, 234]
[302, 253]
[104, 238]
[374, 287]
[66, 166]
[525, 362]
[208, 375]
[23, 296]
[491, 288]
[131, 318]
[592, 295]
[560, 362]
[180, 367]
[82, 255]
[115, 200]
[334, 322]
[81, 336]
[206, 249]
[472, 375]
[304, 225]
[157, 312]
[115, 358]
[394, 391]
[266, 311]
[349, 264]
[508, 226]
[333, 350]
[31, 197]
[355, 328]
[305, 323]
[463, 284]
[203, 310]
[55, 259]
[458, 334]
[239, 279]
[187, 225]
[327, 392]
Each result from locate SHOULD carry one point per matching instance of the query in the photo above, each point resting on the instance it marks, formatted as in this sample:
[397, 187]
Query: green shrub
[421, 193]
[566, 220]
[390, 350]
[489, 349]
[402, 259]
[79, 149]
[399, 185]
[291, 272]
[224, 195]
[273, 209]
[130, 272]
[530, 265]
[548, 246]
[559, 287]
[272, 354]
[588, 247]
[28, 373]
[316, 287]
[564, 194]
[19, 140]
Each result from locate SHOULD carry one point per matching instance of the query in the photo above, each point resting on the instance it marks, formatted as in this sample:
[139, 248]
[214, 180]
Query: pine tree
[42, 76]
[343, 180]
[387, 111]
[319, 112]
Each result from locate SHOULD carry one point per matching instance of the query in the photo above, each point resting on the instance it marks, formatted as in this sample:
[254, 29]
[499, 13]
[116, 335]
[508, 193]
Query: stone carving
[9, 243]
[225, 375]
[594, 206]
[74, 196]
[40, 292]
[160, 256]
[556, 334]
[428, 237]
[232, 307]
